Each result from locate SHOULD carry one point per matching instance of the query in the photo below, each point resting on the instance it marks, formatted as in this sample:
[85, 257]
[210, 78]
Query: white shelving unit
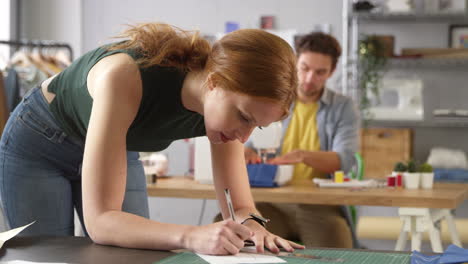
[353, 24]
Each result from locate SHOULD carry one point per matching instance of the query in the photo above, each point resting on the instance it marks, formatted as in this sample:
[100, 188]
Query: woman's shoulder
[117, 70]
[116, 65]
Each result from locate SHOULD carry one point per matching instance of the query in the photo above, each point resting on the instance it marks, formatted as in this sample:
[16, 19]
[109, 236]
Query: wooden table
[420, 210]
[447, 196]
[68, 249]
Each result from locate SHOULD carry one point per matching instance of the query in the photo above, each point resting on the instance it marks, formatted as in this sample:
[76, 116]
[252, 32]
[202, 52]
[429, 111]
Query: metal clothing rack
[39, 44]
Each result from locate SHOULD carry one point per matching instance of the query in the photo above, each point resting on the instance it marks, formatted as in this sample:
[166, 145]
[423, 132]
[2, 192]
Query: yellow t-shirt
[302, 133]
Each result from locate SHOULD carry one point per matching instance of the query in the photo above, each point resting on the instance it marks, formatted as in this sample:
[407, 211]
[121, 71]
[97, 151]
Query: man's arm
[346, 140]
[324, 161]
[344, 145]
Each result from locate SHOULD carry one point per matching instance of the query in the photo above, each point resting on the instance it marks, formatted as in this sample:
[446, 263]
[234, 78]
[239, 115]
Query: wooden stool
[418, 220]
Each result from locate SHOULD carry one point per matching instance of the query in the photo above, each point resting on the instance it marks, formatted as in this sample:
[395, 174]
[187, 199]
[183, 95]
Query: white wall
[8, 16]
[208, 16]
[56, 20]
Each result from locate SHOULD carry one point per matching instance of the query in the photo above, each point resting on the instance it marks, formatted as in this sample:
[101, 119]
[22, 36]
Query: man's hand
[251, 156]
[293, 157]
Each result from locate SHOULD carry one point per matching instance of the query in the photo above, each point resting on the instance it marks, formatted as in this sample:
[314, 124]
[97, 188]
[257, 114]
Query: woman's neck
[193, 92]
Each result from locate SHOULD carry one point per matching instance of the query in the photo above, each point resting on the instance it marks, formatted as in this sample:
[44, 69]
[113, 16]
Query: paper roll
[388, 228]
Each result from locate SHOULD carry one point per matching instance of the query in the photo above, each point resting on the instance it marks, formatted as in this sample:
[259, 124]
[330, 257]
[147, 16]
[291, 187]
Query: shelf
[410, 17]
[436, 123]
[428, 62]
[422, 62]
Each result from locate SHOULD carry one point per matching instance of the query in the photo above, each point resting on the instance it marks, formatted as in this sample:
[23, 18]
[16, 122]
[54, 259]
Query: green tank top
[161, 117]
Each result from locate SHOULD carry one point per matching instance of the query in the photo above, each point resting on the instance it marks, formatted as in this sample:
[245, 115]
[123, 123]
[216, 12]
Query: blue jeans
[40, 172]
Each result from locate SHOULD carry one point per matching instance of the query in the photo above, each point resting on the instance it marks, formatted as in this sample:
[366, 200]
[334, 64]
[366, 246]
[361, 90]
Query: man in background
[320, 137]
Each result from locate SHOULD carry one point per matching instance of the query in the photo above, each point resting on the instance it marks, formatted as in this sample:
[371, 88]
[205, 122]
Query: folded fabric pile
[450, 165]
[445, 158]
[452, 255]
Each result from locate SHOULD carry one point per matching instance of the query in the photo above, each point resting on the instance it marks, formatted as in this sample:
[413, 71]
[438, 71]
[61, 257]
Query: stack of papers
[350, 184]
[241, 257]
[5, 236]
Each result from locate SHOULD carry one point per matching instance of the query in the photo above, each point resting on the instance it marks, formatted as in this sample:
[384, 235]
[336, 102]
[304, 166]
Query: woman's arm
[115, 85]
[229, 171]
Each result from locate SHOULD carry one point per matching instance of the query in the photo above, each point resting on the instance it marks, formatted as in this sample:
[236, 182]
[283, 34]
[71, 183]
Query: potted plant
[372, 60]
[399, 168]
[427, 176]
[412, 176]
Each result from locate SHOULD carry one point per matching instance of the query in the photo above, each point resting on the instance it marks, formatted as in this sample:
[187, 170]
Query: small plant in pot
[412, 166]
[412, 176]
[427, 176]
[399, 168]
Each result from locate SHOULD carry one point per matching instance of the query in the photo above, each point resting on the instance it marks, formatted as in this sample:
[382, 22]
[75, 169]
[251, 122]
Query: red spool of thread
[399, 180]
[391, 181]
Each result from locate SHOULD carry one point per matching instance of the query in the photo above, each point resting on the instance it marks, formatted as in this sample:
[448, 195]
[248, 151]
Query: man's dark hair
[320, 43]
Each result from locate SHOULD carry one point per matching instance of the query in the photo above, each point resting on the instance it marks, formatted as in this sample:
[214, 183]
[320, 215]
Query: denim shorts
[40, 172]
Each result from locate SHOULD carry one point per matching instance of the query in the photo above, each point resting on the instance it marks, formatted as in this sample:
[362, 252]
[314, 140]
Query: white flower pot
[427, 180]
[412, 180]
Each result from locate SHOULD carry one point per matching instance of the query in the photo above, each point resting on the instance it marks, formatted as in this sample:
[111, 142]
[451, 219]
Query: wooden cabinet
[381, 148]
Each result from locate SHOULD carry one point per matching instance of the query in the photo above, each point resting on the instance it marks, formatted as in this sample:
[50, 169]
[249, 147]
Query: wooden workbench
[448, 196]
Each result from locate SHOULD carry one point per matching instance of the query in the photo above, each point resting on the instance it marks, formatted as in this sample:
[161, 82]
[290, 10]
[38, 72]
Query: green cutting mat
[349, 256]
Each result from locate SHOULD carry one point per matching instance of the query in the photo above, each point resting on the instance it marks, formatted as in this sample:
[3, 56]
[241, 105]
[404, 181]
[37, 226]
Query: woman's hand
[264, 239]
[220, 238]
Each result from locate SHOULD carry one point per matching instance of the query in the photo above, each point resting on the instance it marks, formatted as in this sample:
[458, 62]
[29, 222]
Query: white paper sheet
[5, 236]
[242, 257]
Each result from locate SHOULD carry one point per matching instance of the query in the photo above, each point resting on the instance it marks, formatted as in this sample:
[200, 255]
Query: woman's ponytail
[166, 45]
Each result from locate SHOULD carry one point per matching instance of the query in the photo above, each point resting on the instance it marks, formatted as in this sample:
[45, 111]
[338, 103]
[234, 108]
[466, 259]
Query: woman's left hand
[264, 239]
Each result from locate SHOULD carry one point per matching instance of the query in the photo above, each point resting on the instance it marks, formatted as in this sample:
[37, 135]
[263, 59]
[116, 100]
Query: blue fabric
[452, 255]
[262, 175]
[451, 175]
[418, 258]
[40, 172]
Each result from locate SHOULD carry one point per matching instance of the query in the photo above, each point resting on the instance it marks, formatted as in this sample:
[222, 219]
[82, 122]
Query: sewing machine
[400, 99]
[266, 141]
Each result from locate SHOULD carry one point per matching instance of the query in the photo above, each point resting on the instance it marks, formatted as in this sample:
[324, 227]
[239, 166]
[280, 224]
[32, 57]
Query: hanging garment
[30, 77]
[4, 113]
[12, 88]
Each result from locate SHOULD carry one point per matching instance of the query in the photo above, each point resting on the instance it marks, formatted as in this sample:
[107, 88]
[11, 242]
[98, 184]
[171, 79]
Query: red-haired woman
[73, 142]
